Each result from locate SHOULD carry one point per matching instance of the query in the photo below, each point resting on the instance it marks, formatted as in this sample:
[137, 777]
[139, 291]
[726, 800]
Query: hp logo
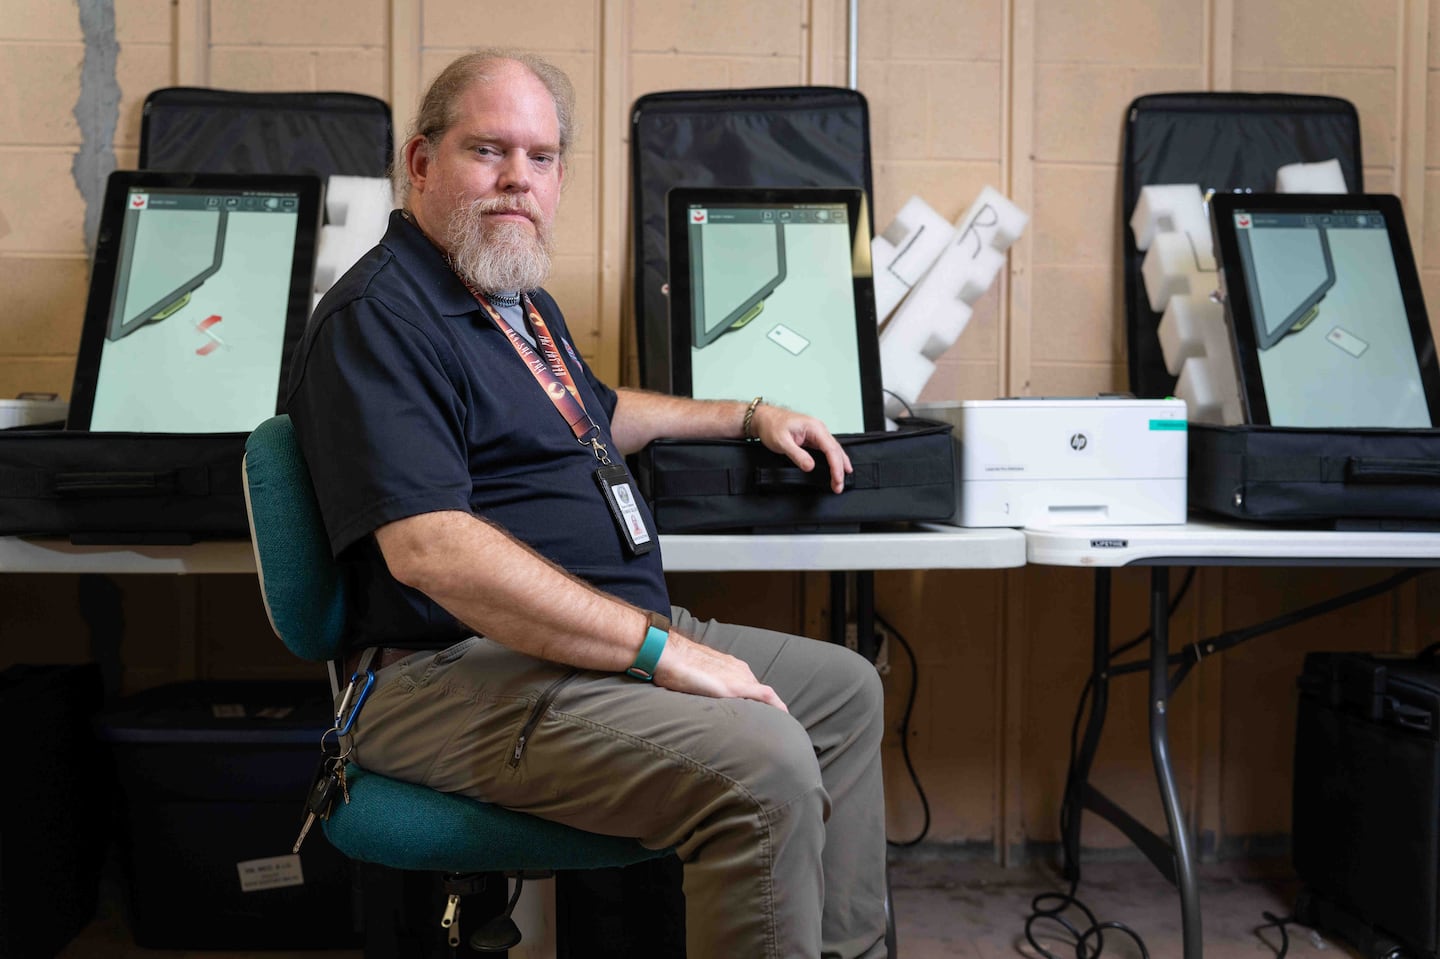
[1078, 442]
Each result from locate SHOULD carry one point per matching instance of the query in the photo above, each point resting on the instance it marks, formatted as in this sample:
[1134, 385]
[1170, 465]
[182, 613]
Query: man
[466, 461]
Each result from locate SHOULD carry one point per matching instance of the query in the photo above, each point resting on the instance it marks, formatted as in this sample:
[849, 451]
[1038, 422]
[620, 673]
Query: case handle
[192, 482]
[1363, 469]
[791, 479]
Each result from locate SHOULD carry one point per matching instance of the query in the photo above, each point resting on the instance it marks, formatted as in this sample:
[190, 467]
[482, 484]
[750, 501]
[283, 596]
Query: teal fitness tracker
[645, 661]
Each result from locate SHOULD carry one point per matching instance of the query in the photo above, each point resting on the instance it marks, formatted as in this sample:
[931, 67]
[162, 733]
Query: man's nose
[515, 172]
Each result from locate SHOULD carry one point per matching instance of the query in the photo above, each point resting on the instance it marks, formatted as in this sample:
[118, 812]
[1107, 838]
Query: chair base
[399, 912]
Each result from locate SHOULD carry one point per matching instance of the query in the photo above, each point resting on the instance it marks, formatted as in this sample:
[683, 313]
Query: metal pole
[853, 55]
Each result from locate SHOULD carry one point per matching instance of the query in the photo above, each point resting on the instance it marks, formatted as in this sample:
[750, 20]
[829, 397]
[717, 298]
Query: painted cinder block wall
[1026, 95]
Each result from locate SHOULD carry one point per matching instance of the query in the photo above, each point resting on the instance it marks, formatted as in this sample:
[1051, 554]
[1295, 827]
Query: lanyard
[549, 371]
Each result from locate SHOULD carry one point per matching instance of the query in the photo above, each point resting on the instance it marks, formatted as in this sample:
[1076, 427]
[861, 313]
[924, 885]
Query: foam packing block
[1174, 266]
[979, 274]
[1323, 177]
[1182, 328]
[904, 374]
[1168, 208]
[905, 250]
[1196, 388]
[992, 221]
[358, 211]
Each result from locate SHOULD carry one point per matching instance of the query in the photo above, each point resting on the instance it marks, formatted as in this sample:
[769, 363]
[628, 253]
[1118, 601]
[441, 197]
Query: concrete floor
[947, 906]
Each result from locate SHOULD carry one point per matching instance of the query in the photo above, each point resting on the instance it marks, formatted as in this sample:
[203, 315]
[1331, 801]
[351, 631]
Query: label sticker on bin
[273, 872]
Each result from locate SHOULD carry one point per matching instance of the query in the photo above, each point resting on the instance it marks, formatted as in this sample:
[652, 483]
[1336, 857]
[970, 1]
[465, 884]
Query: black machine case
[1366, 833]
[199, 130]
[1369, 478]
[766, 137]
[122, 488]
[905, 475]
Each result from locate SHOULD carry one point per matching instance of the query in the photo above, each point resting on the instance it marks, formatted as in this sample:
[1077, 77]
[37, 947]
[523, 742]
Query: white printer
[1081, 461]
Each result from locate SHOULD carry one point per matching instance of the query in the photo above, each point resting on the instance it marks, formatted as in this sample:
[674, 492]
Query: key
[344, 786]
[320, 799]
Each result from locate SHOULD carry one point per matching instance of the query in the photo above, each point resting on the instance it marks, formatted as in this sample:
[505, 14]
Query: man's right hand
[690, 667]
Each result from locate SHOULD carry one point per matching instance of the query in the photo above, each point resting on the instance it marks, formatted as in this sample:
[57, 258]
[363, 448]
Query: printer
[1082, 461]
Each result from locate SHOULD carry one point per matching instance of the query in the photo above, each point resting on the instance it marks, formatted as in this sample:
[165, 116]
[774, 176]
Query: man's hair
[438, 107]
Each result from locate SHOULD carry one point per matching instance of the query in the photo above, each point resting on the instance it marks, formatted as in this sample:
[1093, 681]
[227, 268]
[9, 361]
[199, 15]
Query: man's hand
[785, 431]
[688, 667]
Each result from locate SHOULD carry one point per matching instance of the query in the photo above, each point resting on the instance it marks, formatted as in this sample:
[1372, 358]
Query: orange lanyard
[549, 371]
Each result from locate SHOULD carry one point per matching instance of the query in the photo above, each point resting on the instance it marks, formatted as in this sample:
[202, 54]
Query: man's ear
[417, 161]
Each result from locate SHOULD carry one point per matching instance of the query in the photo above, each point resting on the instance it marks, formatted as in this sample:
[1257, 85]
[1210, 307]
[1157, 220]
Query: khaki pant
[779, 819]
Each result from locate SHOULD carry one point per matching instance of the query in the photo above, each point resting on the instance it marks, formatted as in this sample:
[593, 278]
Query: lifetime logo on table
[1109, 543]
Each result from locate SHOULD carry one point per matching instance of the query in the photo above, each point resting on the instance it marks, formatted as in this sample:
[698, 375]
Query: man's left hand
[785, 431]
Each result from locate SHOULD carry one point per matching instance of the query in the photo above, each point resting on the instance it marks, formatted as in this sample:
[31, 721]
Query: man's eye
[487, 151]
[543, 159]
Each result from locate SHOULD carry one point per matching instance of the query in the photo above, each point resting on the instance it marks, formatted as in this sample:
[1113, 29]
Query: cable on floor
[905, 735]
[1276, 922]
[1095, 930]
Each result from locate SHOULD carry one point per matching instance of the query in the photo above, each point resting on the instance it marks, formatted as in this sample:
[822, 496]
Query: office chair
[394, 824]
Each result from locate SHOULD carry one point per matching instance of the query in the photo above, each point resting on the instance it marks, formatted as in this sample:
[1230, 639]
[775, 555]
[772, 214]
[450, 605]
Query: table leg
[1185, 879]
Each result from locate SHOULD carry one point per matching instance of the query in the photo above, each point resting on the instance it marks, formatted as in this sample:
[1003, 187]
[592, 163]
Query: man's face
[488, 192]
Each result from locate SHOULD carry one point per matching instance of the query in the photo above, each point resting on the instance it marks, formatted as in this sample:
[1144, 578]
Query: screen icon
[699, 217]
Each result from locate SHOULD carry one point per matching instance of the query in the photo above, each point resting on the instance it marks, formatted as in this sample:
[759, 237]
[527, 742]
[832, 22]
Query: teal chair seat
[387, 822]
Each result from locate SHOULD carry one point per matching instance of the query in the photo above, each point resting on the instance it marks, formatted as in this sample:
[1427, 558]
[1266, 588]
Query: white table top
[1212, 542]
[928, 547]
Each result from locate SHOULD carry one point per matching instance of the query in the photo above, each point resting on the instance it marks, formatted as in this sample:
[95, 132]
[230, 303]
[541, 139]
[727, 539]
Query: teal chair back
[387, 821]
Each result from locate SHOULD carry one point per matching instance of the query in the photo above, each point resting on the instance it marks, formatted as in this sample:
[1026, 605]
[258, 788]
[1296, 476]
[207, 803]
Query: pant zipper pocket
[542, 705]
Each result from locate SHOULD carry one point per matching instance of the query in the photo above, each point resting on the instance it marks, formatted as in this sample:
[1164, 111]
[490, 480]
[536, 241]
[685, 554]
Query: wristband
[749, 418]
[656, 635]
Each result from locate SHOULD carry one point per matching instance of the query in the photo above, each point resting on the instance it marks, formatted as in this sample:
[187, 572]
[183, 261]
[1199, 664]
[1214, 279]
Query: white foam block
[358, 209]
[992, 221]
[1175, 265]
[1169, 208]
[1181, 328]
[905, 250]
[1202, 400]
[1323, 177]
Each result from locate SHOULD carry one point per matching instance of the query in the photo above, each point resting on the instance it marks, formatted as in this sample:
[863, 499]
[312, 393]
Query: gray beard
[498, 257]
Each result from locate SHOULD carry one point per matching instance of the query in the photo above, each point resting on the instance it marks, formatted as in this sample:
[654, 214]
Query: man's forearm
[504, 590]
[642, 416]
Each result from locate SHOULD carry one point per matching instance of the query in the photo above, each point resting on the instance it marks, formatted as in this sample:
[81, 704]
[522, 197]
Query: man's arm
[500, 588]
[642, 416]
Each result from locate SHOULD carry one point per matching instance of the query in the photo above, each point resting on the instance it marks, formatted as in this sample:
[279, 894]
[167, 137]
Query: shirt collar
[426, 265]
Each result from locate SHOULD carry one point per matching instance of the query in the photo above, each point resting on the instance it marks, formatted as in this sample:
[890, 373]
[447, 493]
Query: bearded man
[469, 468]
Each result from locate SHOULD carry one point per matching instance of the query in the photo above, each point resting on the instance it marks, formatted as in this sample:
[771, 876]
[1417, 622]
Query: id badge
[619, 491]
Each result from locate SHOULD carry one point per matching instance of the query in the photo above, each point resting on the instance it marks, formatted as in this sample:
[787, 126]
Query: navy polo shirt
[407, 399]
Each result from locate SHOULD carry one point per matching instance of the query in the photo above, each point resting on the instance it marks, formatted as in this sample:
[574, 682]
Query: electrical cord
[1277, 922]
[905, 736]
[898, 399]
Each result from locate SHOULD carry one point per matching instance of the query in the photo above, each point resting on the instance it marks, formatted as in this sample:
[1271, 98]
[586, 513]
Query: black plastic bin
[213, 777]
[1366, 832]
[52, 829]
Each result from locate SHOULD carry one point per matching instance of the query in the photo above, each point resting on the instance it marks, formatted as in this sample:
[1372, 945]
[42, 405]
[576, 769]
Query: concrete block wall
[1025, 95]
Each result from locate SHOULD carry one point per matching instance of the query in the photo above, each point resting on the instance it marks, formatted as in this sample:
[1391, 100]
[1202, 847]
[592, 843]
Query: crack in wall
[97, 112]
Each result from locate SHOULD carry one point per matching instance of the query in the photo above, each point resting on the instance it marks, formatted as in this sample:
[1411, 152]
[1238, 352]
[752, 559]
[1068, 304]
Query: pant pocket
[537, 713]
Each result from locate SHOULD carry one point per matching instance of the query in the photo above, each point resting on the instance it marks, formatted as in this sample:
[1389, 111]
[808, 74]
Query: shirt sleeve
[380, 422]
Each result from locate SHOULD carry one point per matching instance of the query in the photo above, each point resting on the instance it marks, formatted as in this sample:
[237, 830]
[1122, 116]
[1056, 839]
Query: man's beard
[500, 256]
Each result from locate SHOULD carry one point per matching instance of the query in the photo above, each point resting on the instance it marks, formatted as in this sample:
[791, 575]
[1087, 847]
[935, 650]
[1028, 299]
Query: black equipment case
[905, 475]
[122, 488]
[199, 130]
[1366, 833]
[1371, 478]
[1225, 142]
[767, 137]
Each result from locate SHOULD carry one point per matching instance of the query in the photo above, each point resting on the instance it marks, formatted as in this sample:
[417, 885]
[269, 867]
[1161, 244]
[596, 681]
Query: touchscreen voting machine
[1326, 311]
[199, 290]
[771, 295]
[1336, 365]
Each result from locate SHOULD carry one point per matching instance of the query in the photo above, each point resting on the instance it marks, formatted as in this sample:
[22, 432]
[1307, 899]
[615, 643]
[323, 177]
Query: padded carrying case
[122, 488]
[905, 475]
[1228, 142]
[1372, 478]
